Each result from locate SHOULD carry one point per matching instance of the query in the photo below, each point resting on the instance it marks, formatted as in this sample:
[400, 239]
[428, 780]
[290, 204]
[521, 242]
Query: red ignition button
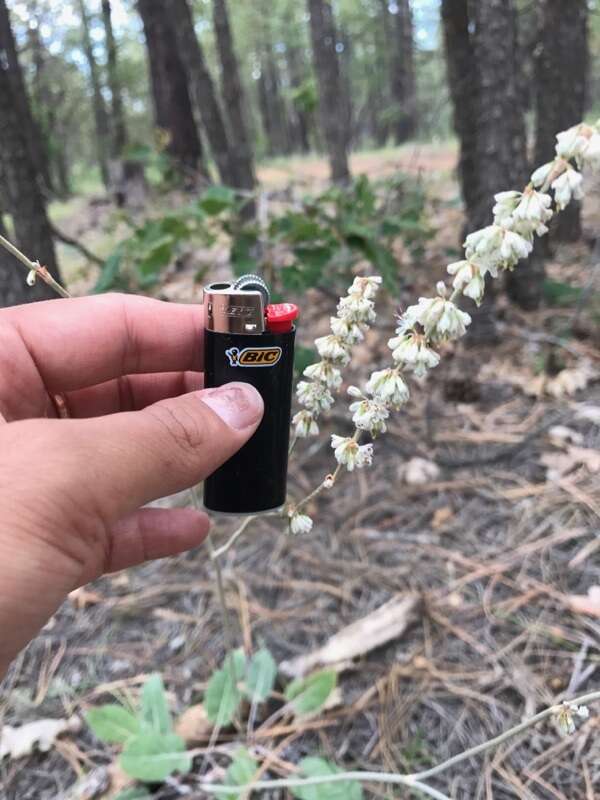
[281, 316]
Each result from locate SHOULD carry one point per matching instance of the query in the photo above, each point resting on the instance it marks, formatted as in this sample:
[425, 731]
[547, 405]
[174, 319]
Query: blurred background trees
[103, 91]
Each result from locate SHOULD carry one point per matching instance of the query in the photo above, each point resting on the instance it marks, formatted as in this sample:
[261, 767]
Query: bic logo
[253, 356]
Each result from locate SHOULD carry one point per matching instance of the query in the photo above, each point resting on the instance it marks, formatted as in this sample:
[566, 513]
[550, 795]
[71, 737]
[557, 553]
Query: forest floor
[494, 531]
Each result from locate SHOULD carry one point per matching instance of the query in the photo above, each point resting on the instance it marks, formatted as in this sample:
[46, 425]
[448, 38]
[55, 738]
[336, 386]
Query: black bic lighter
[246, 339]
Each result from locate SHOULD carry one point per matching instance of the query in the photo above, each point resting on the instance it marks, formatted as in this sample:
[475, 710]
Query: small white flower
[468, 279]
[570, 143]
[410, 351]
[440, 318]
[31, 277]
[366, 286]
[484, 242]
[348, 332]
[369, 415]
[564, 717]
[387, 386]
[314, 396]
[534, 207]
[350, 454]
[356, 308]
[325, 372]
[300, 523]
[541, 175]
[567, 187]
[506, 202]
[513, 248]
[305, 424]
[333, 348]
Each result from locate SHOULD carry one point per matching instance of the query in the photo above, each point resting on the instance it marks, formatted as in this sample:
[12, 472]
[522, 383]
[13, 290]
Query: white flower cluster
[300, 523]
[356, 312]
[350, 454]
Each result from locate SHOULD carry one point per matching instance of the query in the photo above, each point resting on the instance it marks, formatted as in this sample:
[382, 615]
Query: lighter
[247, 339]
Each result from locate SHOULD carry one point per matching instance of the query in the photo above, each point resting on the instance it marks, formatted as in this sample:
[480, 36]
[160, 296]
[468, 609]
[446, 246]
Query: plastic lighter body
[247, 340]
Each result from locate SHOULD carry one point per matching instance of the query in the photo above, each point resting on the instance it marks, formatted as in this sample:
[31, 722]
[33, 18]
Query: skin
[140, 427]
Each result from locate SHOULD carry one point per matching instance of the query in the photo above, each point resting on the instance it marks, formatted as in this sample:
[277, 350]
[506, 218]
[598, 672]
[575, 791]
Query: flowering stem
[238, 532]
[413, 780]
[34, 266]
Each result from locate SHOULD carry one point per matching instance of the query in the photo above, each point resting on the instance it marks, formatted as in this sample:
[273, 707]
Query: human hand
[140, 427]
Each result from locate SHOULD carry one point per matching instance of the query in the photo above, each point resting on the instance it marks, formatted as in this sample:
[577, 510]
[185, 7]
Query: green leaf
[242, 247]
[260, 676]
[222, 696]
[314, 767]
[133, 793]
[308, 695]
[110, 273]
[152, 757]
[155, 711]
[240, 772]
[112, 723]
[216, 199]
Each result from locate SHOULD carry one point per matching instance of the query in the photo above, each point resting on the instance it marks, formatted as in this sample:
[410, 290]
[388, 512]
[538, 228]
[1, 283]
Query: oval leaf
[222, 696]
[260, 677]
[155, 711]
[152, 757]
[112, 723]
[308, 695]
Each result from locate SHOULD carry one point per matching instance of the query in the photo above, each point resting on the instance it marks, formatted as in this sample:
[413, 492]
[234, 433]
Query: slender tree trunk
[233, 96]
[26, 203]
[331, 102]
[403, 85]
[297, 75]
[100, 115]
[35, 140]
[173, 111]
[464, 91]
[561, 72]
[119, 129]
[202, 88]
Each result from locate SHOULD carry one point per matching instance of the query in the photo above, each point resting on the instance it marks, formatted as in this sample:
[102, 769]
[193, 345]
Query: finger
[85, 341]
[110, 466]
[131, 393]
[155, 533]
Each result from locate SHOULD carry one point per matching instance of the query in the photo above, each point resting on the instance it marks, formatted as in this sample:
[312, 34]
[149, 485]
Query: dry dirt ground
[501, 544]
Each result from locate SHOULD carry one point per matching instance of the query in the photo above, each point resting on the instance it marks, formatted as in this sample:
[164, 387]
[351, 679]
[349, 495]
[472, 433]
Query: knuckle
[181, 428]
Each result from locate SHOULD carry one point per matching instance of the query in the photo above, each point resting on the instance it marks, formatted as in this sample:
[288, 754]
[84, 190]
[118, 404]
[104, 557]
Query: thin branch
[414, 780]
[76, 245]
[34, 266]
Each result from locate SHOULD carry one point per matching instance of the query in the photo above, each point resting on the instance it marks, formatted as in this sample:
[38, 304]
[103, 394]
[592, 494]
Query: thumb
[169, 446]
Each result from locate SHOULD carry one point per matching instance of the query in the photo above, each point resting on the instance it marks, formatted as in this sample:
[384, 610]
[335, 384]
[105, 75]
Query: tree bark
[403, 84]
[26, 203]
[118, 127]
[100, 114]
[35, 140]
[202, 89]
[173, 111]
[233, 96]
[331, 101]
[561, 72]
[302, 117]
[464, 91]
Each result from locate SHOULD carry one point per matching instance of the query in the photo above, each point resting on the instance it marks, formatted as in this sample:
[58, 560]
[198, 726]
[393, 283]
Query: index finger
[84, 341]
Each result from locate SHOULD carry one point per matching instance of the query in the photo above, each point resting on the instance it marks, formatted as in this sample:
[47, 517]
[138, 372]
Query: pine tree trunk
[119, 129]
[331, 100]
[202, 88]
[464, 91]
[173, 111]
[100, 115]
[233, 96]
[35, 140]
[297, 75]
[23, 198]
[561, 71]
[403, 85]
